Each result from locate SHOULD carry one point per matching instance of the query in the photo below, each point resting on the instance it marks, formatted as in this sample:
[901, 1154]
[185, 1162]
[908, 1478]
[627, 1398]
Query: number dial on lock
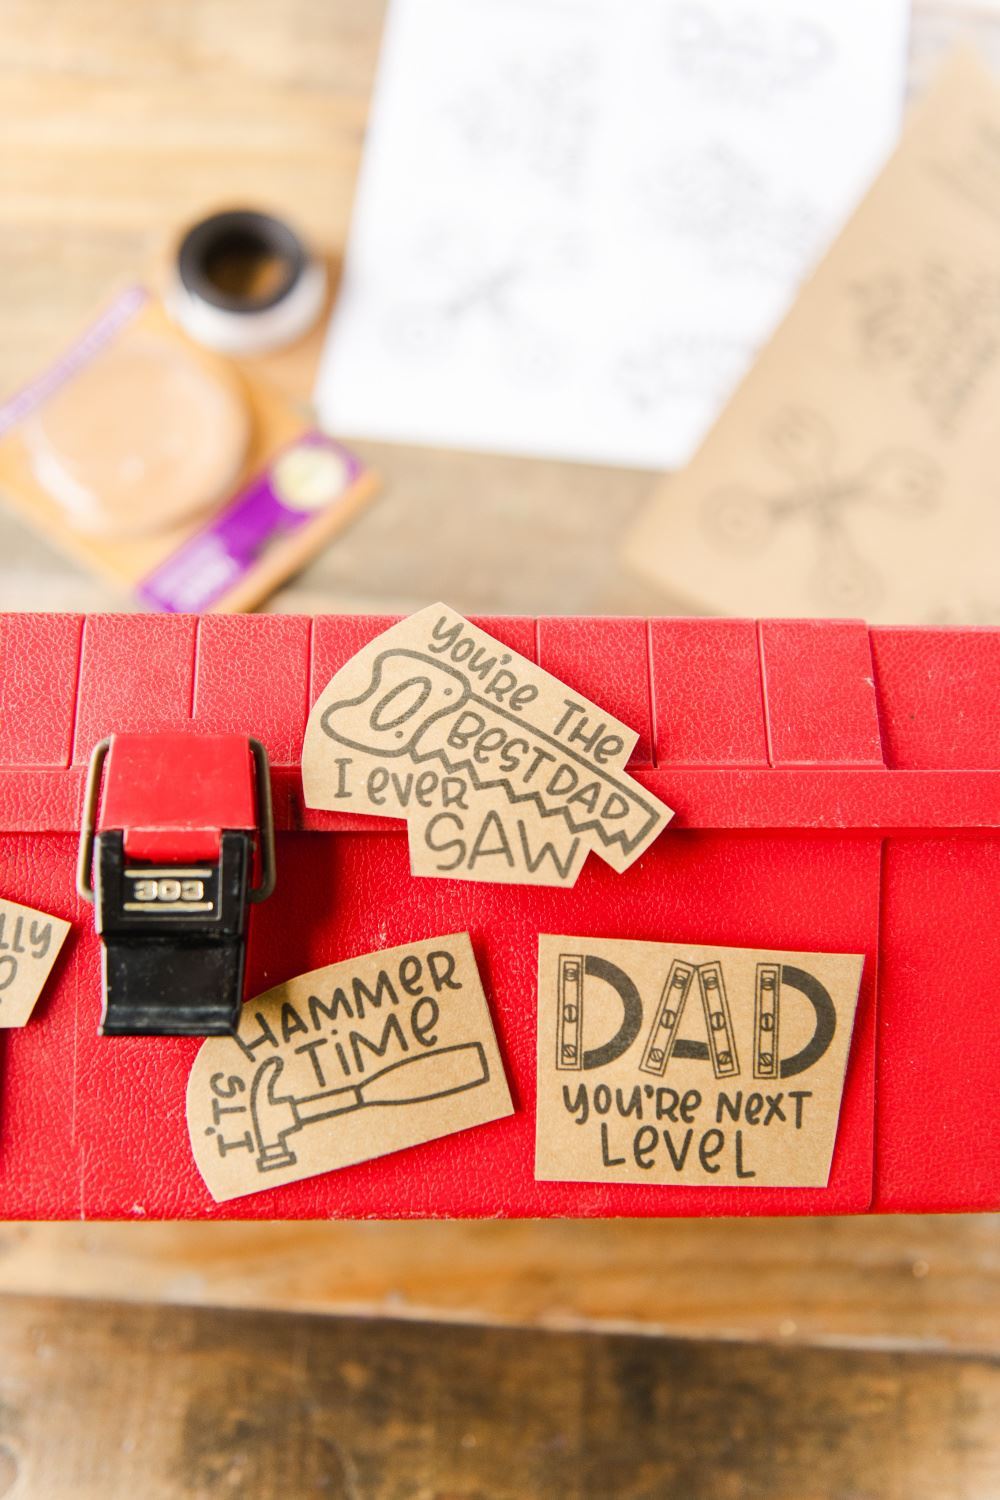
[160, 891]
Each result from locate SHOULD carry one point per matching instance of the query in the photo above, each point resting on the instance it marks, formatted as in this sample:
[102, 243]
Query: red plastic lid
[173, 793]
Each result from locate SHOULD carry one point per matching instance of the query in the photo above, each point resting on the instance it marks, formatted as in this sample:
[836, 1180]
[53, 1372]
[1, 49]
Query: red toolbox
[836, 789]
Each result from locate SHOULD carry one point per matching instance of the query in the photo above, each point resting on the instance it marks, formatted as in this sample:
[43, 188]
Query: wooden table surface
[118, 122]
[204, 1403]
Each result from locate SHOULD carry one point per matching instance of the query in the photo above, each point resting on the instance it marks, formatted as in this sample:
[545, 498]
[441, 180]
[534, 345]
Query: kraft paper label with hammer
[29, 946]
[501, 772]
[344, 1064]
[704, 1067]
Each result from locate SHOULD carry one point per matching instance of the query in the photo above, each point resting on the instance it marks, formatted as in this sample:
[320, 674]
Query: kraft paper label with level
[703, 1067]
[501, 772]
[344, 1064]
[29, 945]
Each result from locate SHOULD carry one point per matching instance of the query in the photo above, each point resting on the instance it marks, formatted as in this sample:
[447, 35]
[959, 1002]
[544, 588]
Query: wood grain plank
[195, 1403]
[931, 1283]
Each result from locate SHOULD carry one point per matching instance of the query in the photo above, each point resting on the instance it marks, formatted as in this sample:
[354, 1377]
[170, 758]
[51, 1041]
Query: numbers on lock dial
[168, 888]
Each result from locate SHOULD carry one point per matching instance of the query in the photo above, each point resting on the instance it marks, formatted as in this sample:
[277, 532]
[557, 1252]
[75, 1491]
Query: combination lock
[175, 826]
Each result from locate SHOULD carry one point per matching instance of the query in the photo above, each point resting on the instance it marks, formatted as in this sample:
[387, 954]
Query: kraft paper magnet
[244, 283]
[172, 849]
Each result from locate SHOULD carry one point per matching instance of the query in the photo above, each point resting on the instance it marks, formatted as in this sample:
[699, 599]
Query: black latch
[173, 843]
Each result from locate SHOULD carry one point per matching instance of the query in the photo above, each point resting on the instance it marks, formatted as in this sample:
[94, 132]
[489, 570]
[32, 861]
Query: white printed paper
[578, 219]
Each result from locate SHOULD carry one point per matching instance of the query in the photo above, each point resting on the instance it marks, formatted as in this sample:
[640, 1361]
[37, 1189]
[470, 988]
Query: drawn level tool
[765, 1021]
[414, 1080]
[667, 1020]
[569, 1021]
[721, 1038]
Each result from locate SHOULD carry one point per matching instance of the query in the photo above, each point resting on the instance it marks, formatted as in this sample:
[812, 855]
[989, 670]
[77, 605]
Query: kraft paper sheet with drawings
[29, 946]
[344, 1064]
[577, 219]
[855, 470]
[501, 772]
[663, 1063]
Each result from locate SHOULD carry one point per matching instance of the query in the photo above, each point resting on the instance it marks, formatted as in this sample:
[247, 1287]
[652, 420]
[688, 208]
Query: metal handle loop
[265, 820]
[91, 794]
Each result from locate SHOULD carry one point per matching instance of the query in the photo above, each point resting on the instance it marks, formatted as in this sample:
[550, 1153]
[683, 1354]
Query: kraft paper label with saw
[29, 945]
[673, 1064]
[501, 772]
[344, 1064]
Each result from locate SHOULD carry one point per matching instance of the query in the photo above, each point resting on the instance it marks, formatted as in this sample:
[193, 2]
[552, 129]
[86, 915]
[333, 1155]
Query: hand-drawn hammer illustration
[414, 1080]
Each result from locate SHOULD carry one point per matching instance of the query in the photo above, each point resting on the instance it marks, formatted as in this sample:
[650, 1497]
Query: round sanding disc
[143, 438]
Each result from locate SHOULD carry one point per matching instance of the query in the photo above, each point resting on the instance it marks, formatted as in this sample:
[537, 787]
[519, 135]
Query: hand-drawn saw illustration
[499, 770]
[817, 492]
